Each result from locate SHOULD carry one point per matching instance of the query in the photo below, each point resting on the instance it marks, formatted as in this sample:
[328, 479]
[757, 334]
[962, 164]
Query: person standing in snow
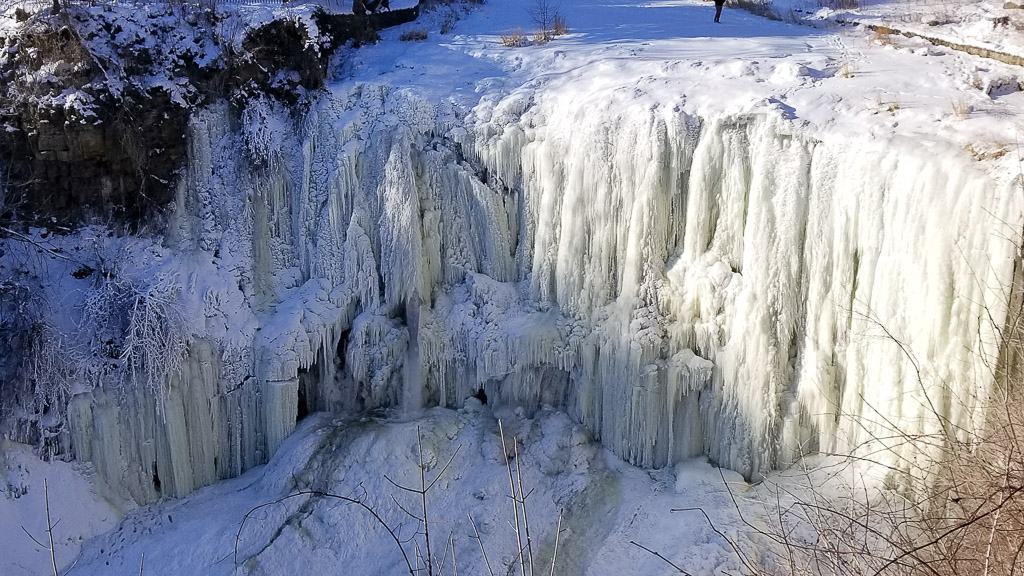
[718, 9]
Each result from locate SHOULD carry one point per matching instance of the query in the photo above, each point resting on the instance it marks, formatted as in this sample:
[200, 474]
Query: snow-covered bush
[129, 335]
[17, 318]
[136, 332]
[54, 364]
[263, 132]
[39, 366]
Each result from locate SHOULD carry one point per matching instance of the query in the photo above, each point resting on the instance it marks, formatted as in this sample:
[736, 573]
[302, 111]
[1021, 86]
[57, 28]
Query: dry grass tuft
[559, 26]
[514, 39]
[884, 36]
[416, 35]
[982, 152]
[961, 108]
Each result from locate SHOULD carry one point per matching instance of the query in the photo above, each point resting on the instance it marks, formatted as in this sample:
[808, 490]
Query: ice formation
[734, 286]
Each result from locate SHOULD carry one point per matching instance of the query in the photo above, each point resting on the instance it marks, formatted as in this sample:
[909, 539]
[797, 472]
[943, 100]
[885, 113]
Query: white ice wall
[681, 284]
[814, 275]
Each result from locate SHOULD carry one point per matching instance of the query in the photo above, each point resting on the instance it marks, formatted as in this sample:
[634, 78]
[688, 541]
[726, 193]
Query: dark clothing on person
[481, 395]
[361, 7]
[718, 9]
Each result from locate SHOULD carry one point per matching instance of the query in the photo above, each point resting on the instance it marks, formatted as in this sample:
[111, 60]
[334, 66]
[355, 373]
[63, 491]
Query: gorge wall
[731, 286]
[96, 100]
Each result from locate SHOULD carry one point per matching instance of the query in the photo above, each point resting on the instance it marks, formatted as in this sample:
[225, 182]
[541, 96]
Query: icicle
[680, 285]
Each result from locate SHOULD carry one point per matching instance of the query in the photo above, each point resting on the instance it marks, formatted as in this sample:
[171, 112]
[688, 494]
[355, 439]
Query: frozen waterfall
[682, 285]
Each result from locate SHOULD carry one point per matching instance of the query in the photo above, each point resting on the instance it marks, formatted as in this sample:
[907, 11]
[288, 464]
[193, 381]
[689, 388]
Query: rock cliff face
[96, 103]
[119, 166]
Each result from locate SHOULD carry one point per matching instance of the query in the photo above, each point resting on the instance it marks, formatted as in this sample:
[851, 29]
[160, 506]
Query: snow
[606, 504]
[696, 239]
[76, 508]
[991, 24]
[596, 292]
[264, 10]
[142, 49]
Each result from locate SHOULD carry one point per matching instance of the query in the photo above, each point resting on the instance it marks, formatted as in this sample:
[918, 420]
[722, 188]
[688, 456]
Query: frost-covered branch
[142, 327]
[910, 503]
[320, 494]
[50, 525]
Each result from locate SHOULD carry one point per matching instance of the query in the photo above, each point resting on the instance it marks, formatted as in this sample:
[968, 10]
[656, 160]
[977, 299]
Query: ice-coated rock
[681, 285]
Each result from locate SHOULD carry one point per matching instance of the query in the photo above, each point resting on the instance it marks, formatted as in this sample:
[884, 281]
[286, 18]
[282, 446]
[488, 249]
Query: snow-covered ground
[838, 81]
[991, 24]
[77, 510]
[606, 504]
[909, 119]
[264, 10]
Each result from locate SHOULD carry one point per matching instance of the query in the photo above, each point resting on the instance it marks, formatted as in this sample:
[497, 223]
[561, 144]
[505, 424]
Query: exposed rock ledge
[95, 102]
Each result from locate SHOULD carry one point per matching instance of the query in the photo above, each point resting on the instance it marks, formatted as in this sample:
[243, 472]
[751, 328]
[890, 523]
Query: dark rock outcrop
[93, 115]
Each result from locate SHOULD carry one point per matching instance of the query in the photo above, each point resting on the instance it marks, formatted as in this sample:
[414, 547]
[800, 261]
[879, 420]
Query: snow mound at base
[606, 504]
[76, 508]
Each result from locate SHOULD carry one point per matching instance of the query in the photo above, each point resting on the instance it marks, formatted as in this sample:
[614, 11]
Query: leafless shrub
[419, 551]
[559, 26]
[544, 15]
[956, 508]
[890, 106]
[952, 501]
[941, 499]
[450, 18]
[986, 151]
[358, 500]
[431, 563]
[50, 525]
[520, 523]
[659, 556]
[421, 493]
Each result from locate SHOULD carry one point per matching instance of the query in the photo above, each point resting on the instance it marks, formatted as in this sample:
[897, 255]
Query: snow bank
[76, 508]
[605, 505]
